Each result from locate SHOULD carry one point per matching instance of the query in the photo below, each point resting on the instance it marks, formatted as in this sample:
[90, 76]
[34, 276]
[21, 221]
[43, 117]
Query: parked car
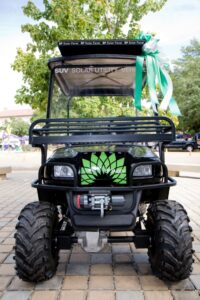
[188, 145]
[184, 142]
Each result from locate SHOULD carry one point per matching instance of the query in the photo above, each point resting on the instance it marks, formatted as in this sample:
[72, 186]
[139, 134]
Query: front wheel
[170, 252]
[189, 148]
[36, 254]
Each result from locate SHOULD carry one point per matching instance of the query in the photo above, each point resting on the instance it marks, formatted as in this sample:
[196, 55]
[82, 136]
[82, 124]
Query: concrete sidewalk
[120, 272]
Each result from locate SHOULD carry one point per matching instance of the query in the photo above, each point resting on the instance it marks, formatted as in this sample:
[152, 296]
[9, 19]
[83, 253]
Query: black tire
[189, 148]
[170, 252]
[36, 255]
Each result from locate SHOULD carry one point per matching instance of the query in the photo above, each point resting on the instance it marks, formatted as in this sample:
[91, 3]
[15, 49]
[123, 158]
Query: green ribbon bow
[156, 74]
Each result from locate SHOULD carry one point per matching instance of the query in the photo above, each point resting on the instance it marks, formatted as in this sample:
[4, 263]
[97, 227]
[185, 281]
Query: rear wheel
[36, 254]
[170, 252]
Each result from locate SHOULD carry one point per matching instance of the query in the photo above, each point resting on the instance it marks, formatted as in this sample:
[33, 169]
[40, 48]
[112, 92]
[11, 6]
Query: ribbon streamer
[156, 75]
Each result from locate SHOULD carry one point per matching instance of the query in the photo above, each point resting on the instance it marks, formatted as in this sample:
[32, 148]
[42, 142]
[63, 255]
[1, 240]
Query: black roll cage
[97, 131]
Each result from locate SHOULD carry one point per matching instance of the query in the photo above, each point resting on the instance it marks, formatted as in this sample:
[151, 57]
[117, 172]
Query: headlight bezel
[66, 178]
[143, 165]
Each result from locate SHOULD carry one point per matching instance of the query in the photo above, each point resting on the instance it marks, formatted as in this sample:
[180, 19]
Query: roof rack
[84, 131]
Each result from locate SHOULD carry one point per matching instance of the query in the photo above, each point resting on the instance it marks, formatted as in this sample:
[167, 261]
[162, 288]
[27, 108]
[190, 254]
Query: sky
[175, 25]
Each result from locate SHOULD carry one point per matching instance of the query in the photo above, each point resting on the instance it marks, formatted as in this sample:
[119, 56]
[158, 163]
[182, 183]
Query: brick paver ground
[120, 272]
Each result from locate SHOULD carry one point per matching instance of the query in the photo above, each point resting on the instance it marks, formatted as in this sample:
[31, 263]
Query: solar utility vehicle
[102, 177]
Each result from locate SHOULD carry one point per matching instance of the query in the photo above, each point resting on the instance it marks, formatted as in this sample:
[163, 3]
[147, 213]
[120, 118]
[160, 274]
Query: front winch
[97, 201]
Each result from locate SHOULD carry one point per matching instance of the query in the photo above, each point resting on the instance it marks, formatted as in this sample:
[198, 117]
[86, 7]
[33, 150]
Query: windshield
[63, 106]
[93, 87]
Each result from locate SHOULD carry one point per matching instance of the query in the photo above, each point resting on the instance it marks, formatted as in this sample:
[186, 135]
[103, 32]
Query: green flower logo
[103, 164]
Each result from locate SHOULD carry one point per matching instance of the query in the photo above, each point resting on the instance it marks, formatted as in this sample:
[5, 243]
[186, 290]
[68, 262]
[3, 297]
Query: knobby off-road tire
[170, 252]
[36, 254]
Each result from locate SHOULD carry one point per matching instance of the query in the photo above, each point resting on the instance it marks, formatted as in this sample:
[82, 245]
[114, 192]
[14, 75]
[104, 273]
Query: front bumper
[39, 185]
[121, 220]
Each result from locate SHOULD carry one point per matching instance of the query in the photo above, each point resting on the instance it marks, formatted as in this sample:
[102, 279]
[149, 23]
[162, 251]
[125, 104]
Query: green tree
[70, 19]
[17, 126]
[38, 114]
[186, 79]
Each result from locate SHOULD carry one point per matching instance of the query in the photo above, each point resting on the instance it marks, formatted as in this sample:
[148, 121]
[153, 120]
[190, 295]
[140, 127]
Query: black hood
[104, 165]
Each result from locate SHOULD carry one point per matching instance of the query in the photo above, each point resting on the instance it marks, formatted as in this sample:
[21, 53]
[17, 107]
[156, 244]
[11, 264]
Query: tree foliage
[95, 106]
[70, 19]
[16, 126]
[186, 79]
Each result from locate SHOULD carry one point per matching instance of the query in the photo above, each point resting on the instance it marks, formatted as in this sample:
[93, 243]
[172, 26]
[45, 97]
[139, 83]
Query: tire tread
[170, 253]
[35, 260]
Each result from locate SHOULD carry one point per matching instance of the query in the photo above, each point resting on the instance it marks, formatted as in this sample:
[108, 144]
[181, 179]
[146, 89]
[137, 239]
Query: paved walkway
[121, 272]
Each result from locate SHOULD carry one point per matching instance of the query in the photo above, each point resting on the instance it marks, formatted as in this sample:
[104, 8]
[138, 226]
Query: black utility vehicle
[101, 178]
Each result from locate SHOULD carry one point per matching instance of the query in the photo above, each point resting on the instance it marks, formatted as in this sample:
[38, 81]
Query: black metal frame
[141, 239]
[101, 130]
[124, 130]
[170, 182]
[166, 181]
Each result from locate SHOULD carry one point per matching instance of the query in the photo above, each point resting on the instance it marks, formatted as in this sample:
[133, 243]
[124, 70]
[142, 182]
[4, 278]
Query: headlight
[63, 172]
[143, 171]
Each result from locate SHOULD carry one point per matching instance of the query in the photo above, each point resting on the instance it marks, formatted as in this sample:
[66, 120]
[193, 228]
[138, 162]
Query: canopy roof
[77, 47]
[97, 67]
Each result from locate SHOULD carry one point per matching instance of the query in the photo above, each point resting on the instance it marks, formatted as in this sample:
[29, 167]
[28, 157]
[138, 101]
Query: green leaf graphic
[112, 158]
[103, 157]
[120, 162]
[101, 165]
[86, 163]
[94, 158]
